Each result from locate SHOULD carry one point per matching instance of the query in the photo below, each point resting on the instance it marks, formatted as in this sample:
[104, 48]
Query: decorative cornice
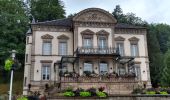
[102, 32]
[87, 32]
[63, 37]
[47, 36]
[133, 39]
[119, 38]
[46, 61]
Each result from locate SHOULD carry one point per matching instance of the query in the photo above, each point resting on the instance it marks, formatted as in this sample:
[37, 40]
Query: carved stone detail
[133, 39]
[47, 36]
[94, 15]
[87, 32]
[63, 37]
[119, 38]
[102, 32]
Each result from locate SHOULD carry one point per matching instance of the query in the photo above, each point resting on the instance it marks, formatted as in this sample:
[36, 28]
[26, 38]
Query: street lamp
[13, 53]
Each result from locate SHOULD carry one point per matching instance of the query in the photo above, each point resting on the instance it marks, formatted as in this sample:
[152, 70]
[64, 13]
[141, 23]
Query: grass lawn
[17, 83]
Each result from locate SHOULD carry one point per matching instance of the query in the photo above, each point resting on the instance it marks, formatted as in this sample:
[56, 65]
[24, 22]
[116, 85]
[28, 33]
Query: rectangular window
[88, 67]
[26, 58]
[102, 42]
[134, 50]
[87, 43]
[47, 48]
[62, 48]
[27, 40]
[137, 71]
[25, 81]
[46, 71]
[120, 47]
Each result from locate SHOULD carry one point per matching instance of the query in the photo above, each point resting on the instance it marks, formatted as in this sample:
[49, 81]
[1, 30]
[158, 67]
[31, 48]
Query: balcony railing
[99, 79]
[97, 51]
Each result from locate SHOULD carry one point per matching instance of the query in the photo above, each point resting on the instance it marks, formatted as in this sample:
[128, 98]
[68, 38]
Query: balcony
[97, 51]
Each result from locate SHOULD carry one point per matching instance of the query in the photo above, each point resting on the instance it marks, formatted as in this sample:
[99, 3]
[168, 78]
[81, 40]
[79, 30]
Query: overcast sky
[153, 11]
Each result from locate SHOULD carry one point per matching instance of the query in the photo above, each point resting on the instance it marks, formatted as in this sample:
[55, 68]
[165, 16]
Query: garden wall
[117, 97]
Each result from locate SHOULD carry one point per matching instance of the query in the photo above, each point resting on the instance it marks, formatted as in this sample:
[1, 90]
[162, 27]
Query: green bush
[69, 94]
[137, 90]
[69, 89]
[85, 94]
[150, 92]
[163, 93]
[101, 94]
[22, 98]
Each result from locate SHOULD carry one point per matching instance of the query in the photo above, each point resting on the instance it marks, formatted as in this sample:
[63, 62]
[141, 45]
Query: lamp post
[13, 52]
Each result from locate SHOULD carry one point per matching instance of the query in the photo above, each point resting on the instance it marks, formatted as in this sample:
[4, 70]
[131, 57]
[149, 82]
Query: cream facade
[90, 42]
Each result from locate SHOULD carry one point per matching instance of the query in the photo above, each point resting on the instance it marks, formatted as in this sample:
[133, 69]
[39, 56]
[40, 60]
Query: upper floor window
[62, 44]
[27, 40]
[134, 46]
[47, 45]
[134, 49]
[87, 42]
[120, 47]
[102, 39]
[47, 48]
[62, 48]
[46, 71]
[102, 42]
[87, 38]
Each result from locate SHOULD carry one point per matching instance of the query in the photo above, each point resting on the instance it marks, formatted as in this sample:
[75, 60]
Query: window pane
[134, 50]
[62, 48]
[103, 68]
[47, 48]
[120, 47]
[46, 71]
[102, 42]
[87, 42]
[88, 67]
[137, 71]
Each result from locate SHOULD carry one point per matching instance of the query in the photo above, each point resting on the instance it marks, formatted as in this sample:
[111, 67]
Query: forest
[16, 16]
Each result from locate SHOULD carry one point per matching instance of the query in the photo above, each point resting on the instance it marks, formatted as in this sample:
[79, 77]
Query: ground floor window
[121, 69]
[88, 67]
[103, 67]
[46, 71]
[137, 71]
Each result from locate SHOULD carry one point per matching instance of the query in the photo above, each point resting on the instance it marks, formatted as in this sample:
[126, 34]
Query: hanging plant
[8, 64]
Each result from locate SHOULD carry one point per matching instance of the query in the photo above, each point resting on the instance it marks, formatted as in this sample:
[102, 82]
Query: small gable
[63, 37]
[47, 36]
[119, 38]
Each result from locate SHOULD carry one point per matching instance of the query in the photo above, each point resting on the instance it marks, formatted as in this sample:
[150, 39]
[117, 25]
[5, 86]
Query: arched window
[103, 67]
[88, 66]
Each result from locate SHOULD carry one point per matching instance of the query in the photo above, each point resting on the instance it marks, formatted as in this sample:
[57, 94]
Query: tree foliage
[45, 10]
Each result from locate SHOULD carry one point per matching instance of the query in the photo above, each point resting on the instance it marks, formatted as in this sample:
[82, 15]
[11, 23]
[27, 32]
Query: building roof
[128, 26]
[67, 22]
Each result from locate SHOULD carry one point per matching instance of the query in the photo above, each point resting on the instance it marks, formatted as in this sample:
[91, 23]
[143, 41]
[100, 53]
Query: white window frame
[103, 65]
[134, 50]
[88, 64]
[46, 75]
[60, 50]
[44, 49]
[121, 49]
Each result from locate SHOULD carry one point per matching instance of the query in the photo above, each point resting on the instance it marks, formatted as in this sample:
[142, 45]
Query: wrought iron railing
[97, 50]
[98, 79]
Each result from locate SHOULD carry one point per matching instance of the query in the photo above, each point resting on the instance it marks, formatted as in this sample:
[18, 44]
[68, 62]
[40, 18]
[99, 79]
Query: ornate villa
[89, 50]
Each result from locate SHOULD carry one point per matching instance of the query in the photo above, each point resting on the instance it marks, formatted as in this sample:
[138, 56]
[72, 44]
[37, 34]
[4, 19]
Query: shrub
[87, 73]
[85, 94]
[137, 90]
[69, 94]
[101, 89]
[101, 94]
[150, 92]
[92, 91]
[22, 98]
[77, 91]
[69, 89]
[163, 93]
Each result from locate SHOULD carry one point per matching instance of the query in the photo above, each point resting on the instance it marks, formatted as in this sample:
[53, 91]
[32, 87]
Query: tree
[166, 71]
[45, 10]
[13, 26]
[155, 55]
[129, 18]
